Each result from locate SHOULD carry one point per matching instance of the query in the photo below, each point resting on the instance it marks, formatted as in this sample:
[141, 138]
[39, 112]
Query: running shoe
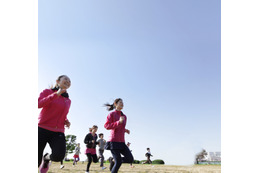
[45, 164]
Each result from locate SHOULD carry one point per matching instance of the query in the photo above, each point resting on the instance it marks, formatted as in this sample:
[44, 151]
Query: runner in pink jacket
[55, 104]
[116, 122]
[117, 133]
[54, 110]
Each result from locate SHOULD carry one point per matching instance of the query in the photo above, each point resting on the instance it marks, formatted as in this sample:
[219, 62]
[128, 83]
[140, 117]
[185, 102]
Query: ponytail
[110, 107]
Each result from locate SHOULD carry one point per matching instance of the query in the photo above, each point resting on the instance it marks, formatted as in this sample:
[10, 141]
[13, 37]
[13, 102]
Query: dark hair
[56, 85]
[100, 134]
[148, 148]
[60, 77]
[94, 126]
[110, 107]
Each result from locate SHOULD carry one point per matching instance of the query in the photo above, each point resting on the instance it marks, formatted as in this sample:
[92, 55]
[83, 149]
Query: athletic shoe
[45, 164]
[61, 166]
[103, 168]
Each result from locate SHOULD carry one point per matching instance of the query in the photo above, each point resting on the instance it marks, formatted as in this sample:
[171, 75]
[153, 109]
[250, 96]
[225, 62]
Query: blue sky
[161, 57]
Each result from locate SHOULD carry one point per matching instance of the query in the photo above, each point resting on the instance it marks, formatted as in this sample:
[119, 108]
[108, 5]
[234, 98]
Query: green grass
[139, 168]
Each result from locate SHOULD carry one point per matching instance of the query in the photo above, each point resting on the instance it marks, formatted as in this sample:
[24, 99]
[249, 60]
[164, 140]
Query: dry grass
[139, 168]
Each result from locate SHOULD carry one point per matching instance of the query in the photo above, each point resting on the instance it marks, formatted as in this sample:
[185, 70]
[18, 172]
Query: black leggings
[128, 158]
[56, 141]
[90, 156]
[148, 160]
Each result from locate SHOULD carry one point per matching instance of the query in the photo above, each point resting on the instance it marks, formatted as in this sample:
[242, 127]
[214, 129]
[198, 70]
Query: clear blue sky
[161, 57]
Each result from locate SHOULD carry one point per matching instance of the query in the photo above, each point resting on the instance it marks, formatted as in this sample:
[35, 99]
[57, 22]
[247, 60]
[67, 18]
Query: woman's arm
[45, 98]
[67, 123]
[96, 141]
[127, 131]
[110, 124]
[87, 139]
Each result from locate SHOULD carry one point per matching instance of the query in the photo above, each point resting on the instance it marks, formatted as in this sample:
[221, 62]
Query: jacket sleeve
[96, 140]
[45, 98]
[86, 140]
[66, 119]
[111, 125]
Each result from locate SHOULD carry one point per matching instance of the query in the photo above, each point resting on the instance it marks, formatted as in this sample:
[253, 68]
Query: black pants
[90, 156]
[56, 141]
[128, 158]
[148, 160]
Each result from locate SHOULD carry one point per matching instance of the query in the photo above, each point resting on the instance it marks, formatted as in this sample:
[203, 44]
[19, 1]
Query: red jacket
[117, 133]
[54, 111]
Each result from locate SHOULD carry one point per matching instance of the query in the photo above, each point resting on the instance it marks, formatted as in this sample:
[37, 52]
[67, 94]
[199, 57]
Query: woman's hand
[60, 91]
[67, 124]
[127, 131]
[121, 120]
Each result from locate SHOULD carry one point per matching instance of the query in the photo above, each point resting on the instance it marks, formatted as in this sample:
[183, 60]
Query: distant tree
[70, 144]
[158, 161]
[136, 161]
[201, 156]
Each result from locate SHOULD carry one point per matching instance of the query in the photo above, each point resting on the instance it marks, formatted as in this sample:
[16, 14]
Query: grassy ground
[139, 168]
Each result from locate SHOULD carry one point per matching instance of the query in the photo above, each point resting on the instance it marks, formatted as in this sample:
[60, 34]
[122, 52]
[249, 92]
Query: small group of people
[91, 142]
[76, 157]
[52, 120]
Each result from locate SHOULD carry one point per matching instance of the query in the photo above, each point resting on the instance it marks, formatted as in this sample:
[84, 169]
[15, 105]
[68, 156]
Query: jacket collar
[63, 94]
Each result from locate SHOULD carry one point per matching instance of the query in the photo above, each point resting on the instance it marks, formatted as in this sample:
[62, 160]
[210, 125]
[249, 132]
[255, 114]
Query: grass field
[139, 168]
